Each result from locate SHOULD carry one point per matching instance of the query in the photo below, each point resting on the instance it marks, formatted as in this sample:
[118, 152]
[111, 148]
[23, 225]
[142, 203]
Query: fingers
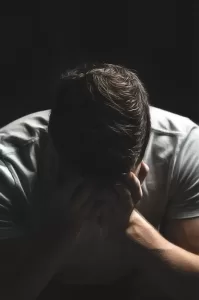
[144, 169]
[124, 194]
[81, 195]
[134, 181]
[135, 187]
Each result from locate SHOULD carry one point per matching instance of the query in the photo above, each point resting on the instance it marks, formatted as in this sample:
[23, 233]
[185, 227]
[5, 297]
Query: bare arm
[28, 264]
[173, 269]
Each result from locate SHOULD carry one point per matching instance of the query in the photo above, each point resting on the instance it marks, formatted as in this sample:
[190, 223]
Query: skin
[183, 233]
[85, 251]
[179, 236]
[176, 262]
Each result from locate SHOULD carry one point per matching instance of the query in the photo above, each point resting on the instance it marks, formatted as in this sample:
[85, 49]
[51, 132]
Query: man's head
[100, 126]
[100, 122]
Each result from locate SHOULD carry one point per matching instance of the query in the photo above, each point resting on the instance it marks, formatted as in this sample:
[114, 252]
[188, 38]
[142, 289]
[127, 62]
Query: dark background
[39, 39]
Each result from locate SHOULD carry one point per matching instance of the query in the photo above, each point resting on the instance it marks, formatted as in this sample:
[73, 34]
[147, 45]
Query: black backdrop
[39, 39]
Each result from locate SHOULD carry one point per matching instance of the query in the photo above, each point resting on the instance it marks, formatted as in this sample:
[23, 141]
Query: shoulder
[23, 144]
[169, 132]
[23, 131]
[171, 136]
[167, 123]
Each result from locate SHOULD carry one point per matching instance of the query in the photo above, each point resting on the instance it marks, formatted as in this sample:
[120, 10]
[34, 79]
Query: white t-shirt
[27, 166]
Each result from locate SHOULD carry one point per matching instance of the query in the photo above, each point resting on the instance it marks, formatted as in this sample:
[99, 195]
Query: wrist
[141, 231]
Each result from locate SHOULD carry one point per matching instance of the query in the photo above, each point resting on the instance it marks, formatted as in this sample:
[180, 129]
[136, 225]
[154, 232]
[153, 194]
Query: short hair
[100, 122]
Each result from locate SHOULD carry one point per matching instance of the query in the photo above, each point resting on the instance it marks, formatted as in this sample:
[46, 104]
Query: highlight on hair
[100, 123]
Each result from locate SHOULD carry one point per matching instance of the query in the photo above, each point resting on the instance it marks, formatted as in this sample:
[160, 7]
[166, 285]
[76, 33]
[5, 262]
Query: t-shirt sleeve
[8, 201]
[184, 184]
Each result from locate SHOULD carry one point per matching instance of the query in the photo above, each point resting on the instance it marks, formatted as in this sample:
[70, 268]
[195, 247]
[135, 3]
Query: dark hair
[100, 122]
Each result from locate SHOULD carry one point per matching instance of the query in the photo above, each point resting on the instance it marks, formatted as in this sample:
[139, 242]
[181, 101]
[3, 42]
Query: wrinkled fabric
[28, 167]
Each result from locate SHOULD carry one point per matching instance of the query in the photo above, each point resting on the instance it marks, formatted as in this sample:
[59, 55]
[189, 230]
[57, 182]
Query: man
[66, 212]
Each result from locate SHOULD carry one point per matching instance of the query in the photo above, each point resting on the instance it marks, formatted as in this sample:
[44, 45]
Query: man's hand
[83, 199]
[134, 180]
[139, 229]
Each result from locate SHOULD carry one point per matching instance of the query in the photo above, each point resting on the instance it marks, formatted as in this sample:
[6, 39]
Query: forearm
[27, 265]
[174, 270]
